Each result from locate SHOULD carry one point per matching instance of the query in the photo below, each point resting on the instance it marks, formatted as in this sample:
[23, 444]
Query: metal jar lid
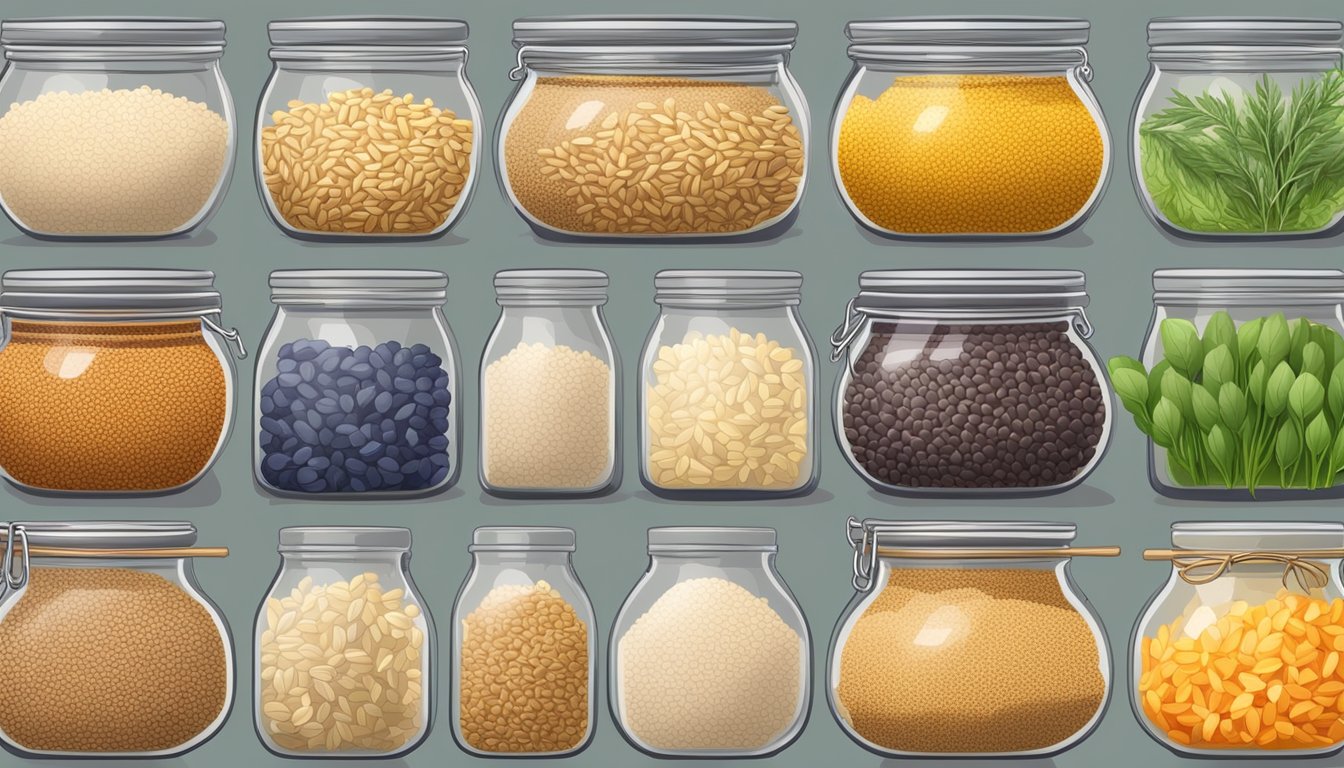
[517, 538]
[728, 287]
[1250, 536]
[344, 538]
[112, 30]
[359, 287]
[1231, 287]
[653, 30]
[690, 540]
[543, 287]
[958, 534]
[1243, 30]
[120, 534]
[970, 31]
[367, 31]
[109, 292]
[950, 289]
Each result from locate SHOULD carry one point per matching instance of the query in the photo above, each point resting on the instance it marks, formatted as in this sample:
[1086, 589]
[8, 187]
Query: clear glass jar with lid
[525, 643]
[368, 691]
[970, 127]
[113, 648]
[1213, 81]
[550, 387]
[357, 386]
[1240, 385]
[1236, 654]
[368, 128]
[967, 639]
[654, 128]
[970, 382]
[113, 381]
[710, 655]
[727, 390]
[117, 127]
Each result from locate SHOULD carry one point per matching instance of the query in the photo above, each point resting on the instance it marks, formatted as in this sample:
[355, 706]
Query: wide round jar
[967, 640]
[654, 128]
[550, 387]
[1240, 386]
[710, 655]
[368, 128]
[1216, 82]
[113, 649]
[525, 647]
[113, 381]
[970, 382]
[727, 389]
[969, 127]
[357, 386]
[116, 127]
[1237, 655]
[344, 659]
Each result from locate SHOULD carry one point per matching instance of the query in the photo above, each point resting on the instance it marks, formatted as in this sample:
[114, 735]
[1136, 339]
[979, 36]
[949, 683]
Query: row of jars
[980, 127]
[952, 382]
[961, 639]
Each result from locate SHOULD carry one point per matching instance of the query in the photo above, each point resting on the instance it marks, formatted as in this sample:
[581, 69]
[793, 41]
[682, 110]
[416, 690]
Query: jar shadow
[1330, 241]
[175, 762]
[1038, 763]
[201, 239]
[499, 501]
[1083, 496]
[768, 239]
[1075, 239]
[280, 501]
[445, 239]
[204, 493]
[814, 499]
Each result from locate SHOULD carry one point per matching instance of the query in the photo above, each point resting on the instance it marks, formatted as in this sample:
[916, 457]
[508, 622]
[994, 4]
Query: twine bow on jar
[1198, 567]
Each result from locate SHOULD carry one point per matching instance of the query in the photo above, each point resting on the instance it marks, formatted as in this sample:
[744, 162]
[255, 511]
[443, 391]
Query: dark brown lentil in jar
[1018, 407]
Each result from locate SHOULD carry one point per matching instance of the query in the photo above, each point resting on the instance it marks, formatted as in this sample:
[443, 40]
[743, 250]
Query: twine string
[1205, 567]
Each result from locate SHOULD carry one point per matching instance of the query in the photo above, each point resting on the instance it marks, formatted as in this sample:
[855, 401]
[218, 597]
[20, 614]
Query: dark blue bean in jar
[356, 386]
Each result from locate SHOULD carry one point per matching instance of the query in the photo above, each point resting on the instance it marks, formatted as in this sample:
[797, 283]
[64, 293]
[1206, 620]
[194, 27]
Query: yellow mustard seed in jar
[970, 154]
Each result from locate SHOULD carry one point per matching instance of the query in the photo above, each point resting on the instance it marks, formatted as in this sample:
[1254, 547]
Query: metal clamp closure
[516, 73]
[15, 536]
[843, 336]
[231, 335]
[863, 540]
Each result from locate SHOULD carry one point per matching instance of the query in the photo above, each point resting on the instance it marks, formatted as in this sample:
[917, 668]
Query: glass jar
[1240, 386]
[1236, 655]
[967, 640]
[727, 391]
[117, 127]
[713, 129]
[345, 645]
[111, 647]
[1214, 80]
[112, 381]
[970, 127]
[525, 647]
[710, 654]
[368, 128]
[970, 383]
[357, 386]
[550, 387]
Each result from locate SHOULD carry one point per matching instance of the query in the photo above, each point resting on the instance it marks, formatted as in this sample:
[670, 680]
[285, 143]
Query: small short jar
[710, 655]
[345, 647]
[550, 387]
[116, 127]
[113, 381]
[113, 650]
[525, 642]
[357, 386]
[368, 128]
[970, 127]
[970, 383]
[727, 388]
[654, 128]
[1212, 79]
[1210, 638]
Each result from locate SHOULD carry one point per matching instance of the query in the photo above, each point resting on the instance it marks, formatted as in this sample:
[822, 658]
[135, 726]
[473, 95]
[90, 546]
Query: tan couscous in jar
[112, 381]
[955, 127]
[654, 127]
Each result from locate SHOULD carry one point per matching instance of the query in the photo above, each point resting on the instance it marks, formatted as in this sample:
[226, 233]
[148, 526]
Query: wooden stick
[126, 553]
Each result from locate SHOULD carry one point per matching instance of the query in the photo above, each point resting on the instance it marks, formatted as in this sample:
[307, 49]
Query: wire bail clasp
[843, 336]
[863, 540]
[230, 335]
[1084, 69]
[516, 73]
[15, 534]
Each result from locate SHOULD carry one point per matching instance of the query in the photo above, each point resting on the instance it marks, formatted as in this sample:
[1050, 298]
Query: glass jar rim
[344, 538]
[540, 287]
[695, 539]
[355, 288]
[640, 30]
[107, 31]
[966, 534]
[108, 534]
[1248, 286]
[1238, 536]
[109, 293]
[970, 30]
[728, 287]
[1254, 31]
[364, 31]
[520, 538]
[972, 289]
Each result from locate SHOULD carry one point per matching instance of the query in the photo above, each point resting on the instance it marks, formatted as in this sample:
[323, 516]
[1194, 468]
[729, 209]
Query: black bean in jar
[973, 406]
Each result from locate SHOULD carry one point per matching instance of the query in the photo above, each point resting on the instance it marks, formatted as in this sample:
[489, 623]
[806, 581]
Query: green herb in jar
[1255, 405]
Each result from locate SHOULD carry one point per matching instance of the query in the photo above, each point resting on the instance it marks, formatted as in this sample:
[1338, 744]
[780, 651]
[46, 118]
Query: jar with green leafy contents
[1238, 132]
[1240, 386]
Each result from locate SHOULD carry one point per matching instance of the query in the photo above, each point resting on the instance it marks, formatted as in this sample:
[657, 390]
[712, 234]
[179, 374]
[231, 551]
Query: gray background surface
[1118, 248]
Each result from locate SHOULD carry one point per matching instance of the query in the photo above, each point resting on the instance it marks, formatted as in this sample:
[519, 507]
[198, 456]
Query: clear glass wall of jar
[113, 381]
[525, 642]
[727, 388]
[1235, 654]
[357, 386]
[370, 692]
[117, 128]
[1265, 350]
[113, 649]
[396, 154]
[970, 383]
[969, 127]
[550, 387]
[967, 640]
[710, 655]
[654, 128]
[1213, 78]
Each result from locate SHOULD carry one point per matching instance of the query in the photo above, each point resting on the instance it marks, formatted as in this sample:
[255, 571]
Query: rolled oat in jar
[616, 130]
